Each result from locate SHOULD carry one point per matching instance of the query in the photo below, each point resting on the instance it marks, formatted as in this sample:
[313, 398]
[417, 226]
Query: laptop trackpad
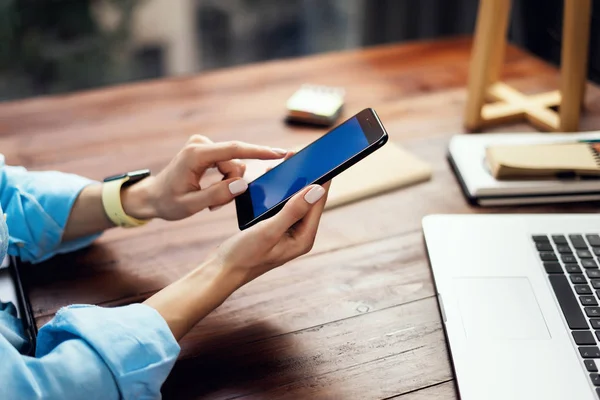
[500, 308]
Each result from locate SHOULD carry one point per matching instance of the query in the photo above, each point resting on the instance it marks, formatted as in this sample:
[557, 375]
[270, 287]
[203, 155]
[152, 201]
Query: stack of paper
[467, 157]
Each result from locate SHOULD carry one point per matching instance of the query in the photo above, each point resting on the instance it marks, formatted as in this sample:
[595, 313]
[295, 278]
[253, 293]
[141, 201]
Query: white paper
[468, 153]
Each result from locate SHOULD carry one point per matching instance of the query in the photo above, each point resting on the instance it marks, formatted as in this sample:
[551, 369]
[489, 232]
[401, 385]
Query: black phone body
[13, 292]
[317, 163]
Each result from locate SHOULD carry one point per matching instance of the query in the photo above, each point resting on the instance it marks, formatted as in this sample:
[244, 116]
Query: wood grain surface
[354, 319]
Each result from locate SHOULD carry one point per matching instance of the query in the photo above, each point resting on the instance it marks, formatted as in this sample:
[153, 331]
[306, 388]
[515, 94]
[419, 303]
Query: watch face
[138, 175]
[134, 176]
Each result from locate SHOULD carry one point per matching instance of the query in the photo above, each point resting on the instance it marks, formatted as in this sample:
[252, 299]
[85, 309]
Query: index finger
[212, 153]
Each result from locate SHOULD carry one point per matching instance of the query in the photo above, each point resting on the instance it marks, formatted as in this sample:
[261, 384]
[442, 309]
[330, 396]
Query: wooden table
[356, 318]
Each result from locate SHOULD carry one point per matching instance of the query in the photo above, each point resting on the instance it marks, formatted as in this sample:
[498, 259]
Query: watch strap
[111, 200]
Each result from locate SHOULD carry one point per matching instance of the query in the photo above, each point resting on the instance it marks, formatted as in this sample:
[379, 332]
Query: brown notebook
[391, 167]
[544, 160]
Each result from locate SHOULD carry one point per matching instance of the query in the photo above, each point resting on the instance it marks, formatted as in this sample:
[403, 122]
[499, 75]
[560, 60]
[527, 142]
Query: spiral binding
[595, 148]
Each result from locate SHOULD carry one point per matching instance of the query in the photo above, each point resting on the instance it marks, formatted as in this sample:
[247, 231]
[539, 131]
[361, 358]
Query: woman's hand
[175, 193]
[275, 241]
[242, 258]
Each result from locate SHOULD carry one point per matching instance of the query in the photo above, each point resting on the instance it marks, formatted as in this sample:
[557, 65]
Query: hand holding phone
[317, 163]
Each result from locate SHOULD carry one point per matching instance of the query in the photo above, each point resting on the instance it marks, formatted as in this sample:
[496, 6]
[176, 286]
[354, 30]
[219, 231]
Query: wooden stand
[509, 104]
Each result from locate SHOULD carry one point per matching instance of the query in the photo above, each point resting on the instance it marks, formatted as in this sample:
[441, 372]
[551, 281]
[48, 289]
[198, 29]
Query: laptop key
[567, 258]
[583, 289]
[589, 352]
[593, 240]
[596, 251]
[568, 303]
[592, 311]
[595, 379]
[597, 334]
[543, 246]
[572, 268]
[578, 242]
[587, 263]
[562, 249]
[590, 365]
[584, 254]
[559, 239]
[593, 273]
[548, 256]
[540, 239]
[553, 267]
[583, 337]
[577, 279]
[588, 301]
[595, 323]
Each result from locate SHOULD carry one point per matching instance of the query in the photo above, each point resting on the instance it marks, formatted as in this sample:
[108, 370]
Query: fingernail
[279, 151]
[237, 187]
[314, 194]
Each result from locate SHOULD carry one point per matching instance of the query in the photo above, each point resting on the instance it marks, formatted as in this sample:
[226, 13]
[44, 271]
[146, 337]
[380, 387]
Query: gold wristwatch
[111, 197]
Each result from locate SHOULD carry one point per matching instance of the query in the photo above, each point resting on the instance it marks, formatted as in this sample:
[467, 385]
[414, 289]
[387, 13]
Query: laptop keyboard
[571, 262]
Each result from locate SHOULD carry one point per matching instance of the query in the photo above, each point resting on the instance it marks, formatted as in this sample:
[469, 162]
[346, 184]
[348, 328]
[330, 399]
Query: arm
[92, 353]
[241, 259]
[87, 217]
[175, 193]
[37, 207]
[127, 352]
[52, 212]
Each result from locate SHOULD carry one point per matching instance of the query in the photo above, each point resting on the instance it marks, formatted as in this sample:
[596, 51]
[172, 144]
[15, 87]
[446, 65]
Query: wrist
[138, 200]
[187, 301]
[222, 279]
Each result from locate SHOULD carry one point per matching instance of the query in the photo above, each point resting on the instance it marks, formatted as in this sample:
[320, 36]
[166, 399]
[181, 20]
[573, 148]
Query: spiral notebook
[562, 160]
[467, 156]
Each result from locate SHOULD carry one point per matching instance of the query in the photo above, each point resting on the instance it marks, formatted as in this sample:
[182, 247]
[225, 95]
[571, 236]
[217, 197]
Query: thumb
[294, 210]
[216, 195]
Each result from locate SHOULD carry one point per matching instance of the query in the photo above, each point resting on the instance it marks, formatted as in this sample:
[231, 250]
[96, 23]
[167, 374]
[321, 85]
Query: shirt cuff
[134, 341]
[43, 200]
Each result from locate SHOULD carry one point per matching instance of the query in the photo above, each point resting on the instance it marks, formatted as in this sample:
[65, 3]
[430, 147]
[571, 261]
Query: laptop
[519, 298]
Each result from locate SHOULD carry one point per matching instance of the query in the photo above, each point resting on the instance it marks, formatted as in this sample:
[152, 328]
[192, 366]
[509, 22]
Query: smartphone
[317, 163]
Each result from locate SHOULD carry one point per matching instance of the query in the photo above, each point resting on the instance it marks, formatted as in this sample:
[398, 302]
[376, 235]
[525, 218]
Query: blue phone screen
[308, 165]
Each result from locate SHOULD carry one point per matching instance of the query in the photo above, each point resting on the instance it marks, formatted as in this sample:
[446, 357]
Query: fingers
[227, 170]
[294, 210]
[216, 195]
[211, 176]
[198, 139]
[289, 154]
[209, 154]
[232, 168]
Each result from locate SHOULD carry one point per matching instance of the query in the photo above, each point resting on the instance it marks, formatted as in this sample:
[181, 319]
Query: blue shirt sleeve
[37, 206]
[89, 352]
